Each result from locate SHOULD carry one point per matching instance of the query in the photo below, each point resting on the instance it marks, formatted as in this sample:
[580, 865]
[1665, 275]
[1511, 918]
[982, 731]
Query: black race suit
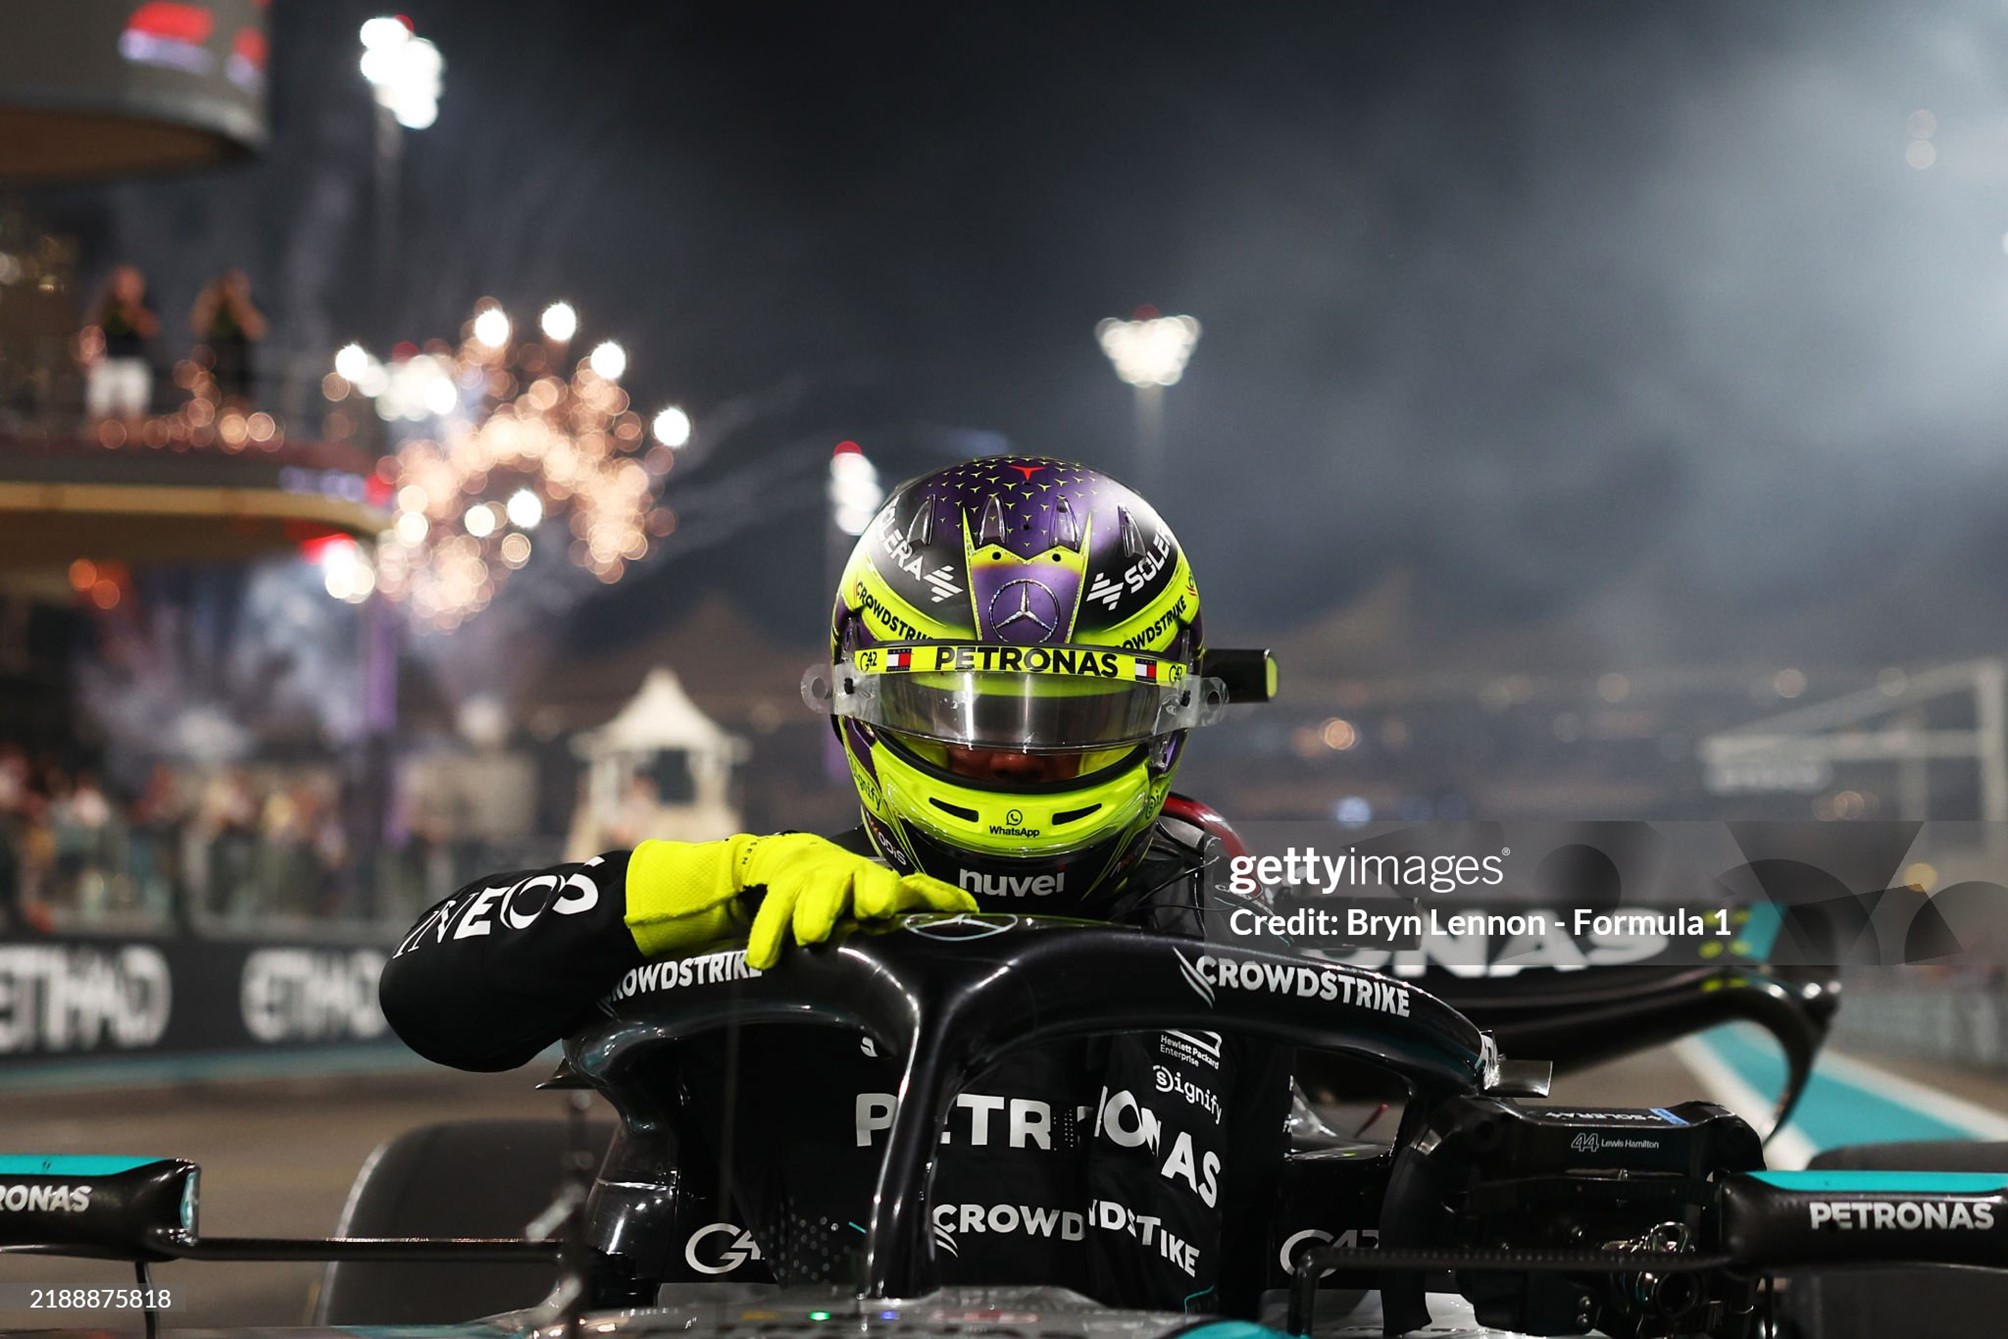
[1138, 1168]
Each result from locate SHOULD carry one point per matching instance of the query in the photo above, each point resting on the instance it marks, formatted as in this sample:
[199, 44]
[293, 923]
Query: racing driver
[1016, 643]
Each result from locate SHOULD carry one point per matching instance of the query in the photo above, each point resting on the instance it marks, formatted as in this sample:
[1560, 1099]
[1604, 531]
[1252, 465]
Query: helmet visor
[1019, 698]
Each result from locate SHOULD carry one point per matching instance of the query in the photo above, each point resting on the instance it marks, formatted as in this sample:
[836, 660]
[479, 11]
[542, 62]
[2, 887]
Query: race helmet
[1014, 663]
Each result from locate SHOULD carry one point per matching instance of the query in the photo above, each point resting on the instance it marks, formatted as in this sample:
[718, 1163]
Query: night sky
[1527, 300]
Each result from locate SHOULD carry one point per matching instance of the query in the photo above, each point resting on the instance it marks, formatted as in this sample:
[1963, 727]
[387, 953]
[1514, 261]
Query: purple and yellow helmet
[1014, 664]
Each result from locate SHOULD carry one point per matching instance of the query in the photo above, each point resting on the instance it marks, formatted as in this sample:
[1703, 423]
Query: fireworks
[502, 456]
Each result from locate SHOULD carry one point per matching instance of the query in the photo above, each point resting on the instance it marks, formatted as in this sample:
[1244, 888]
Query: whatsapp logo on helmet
[1013, 667]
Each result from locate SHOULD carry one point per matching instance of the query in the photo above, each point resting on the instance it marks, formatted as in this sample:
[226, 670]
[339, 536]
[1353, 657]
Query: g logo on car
[740, 1249]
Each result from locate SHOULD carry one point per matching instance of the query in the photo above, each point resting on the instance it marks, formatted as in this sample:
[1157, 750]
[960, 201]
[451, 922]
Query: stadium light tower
[403, 70]
[854, 495]
[854, 492]
[1149, 352]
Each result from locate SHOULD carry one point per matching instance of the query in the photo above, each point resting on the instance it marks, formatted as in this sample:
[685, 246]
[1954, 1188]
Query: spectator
[81, 817]
[13, 828]
[331, 850]
[222, 844]
[118, 381]
[154, 862]
[225, 320]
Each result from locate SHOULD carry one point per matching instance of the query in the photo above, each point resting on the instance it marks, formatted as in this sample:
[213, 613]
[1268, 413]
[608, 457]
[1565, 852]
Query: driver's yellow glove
[683, 896]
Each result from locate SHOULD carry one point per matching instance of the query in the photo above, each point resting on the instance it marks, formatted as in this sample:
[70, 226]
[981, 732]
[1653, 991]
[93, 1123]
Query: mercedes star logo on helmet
[1024, 612]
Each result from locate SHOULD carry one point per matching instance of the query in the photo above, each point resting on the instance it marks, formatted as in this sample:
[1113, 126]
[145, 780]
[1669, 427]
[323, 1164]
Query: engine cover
[1489, 1174]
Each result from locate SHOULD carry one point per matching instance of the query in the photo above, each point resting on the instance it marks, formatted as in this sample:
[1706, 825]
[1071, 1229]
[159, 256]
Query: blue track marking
[1759, 932]
[1833, 1111]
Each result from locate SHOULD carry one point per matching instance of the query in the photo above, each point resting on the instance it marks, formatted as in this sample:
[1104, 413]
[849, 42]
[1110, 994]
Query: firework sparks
[506, 454]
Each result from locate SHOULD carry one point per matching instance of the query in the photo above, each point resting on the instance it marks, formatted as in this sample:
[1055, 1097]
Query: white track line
[1789, 1150]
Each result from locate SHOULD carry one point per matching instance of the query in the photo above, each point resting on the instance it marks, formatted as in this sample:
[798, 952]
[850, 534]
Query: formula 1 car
[1487, 1212]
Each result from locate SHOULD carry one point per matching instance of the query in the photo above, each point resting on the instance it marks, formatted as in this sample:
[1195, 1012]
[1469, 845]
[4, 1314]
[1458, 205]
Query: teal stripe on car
[82, 1164]
[1231, 1329]
[1887, 1183]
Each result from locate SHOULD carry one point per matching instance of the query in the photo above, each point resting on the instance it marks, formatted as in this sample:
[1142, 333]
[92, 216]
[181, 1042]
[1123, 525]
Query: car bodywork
[1630, 1223]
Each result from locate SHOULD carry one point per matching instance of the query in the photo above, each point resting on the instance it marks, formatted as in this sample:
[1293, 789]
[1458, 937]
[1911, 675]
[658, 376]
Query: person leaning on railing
[116, 350]
[229, 324]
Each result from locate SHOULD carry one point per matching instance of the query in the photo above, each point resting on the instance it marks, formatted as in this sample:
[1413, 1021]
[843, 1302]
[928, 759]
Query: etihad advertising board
[99, 997]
